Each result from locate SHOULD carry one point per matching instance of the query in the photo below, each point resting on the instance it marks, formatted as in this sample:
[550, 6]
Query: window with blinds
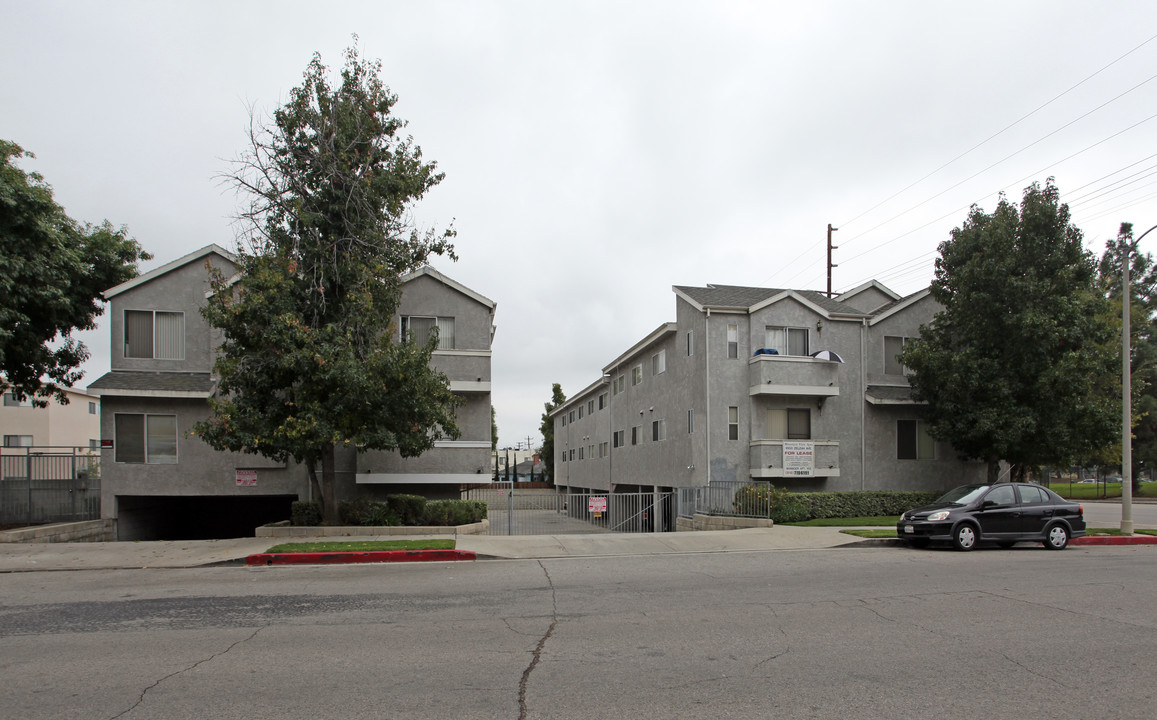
[417, 328]
[154, 334]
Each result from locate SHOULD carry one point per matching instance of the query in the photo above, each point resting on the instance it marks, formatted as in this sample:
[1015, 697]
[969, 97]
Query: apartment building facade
[746, 384]
[160, 481]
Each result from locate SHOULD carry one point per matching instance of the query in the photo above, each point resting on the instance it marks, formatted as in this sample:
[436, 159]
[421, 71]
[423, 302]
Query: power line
[995, 135]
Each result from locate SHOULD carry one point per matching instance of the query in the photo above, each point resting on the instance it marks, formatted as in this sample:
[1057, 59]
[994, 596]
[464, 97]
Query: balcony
[791, 375]
[767, 459]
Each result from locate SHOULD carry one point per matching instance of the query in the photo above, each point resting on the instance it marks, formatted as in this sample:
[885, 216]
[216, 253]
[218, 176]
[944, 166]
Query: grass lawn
[363, 546]
[1093, 491]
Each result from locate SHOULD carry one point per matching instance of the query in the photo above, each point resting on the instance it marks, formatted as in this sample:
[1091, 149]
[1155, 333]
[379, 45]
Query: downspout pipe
[707, 385]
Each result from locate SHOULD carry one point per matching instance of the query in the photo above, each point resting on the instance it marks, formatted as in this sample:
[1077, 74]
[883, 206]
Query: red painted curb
[377, 556]
[1115, 540]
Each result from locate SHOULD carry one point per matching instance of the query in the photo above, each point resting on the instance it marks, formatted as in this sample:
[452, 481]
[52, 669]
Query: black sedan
[1006, 513]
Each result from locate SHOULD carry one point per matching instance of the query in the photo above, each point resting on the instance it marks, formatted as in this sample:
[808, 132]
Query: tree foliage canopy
[557, 398]
[309, 360]
[1018, 364]
[53, 272]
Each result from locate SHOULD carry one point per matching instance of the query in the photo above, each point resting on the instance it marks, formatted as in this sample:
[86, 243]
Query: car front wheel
[1057, 537]
[965, 536]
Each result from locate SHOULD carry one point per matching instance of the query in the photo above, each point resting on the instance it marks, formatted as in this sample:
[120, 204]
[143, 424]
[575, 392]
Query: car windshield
[963, 494]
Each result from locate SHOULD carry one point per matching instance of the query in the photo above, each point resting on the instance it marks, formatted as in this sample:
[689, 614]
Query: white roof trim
[903, 304]
[685, 296]
[795, 296]
[168, 267]
[868, 286]
[664, 329]
[427, 270]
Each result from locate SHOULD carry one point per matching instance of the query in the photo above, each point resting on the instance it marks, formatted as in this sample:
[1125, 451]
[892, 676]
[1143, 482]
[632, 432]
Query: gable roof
[428, 271]
[169, 267]
[737, 298]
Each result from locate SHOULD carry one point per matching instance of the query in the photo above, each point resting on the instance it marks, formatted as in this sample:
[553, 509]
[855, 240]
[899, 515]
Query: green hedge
[410, 510]
[305, 512]
[857, 504]
[454, 512]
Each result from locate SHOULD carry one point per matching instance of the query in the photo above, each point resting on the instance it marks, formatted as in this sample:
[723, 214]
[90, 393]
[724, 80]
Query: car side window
[1030, 495]
[1001, 495]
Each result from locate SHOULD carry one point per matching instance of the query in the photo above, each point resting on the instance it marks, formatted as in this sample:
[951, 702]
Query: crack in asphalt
[195, 665]
[538, 649]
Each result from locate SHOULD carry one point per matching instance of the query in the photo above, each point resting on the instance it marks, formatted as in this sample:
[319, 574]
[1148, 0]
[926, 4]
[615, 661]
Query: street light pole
[1127, 389]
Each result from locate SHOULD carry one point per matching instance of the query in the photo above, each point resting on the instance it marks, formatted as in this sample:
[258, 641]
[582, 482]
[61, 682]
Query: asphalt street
[847, 632]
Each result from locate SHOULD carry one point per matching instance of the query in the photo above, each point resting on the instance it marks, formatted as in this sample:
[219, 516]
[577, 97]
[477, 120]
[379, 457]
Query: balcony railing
[805, 458]
[791, 375]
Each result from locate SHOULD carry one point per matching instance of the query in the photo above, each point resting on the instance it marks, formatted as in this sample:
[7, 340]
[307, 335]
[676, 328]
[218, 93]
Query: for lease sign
[799, 458]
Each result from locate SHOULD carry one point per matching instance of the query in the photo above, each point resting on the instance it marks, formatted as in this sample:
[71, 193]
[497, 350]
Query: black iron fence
[48, 484]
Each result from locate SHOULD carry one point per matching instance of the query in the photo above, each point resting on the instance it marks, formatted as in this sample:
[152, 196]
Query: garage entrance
[142, 517]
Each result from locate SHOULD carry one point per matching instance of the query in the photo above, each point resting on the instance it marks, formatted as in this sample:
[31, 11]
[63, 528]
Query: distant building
[761, 384]
[75, 425]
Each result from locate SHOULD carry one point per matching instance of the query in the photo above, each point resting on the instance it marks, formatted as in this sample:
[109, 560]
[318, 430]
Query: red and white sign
[246, 478]
[597, 504]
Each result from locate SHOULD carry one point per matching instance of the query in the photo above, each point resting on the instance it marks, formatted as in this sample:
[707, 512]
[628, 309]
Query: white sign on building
[799, 458]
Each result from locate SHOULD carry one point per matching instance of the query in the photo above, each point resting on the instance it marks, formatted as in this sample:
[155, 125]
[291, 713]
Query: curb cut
[342, 558]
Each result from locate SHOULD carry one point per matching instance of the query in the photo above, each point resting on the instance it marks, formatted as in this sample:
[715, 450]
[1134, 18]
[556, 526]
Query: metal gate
[544, 511]
[45, 485]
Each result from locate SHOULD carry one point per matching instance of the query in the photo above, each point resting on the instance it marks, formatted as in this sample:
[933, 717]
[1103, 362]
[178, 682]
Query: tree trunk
[328, 476]
[313, 484]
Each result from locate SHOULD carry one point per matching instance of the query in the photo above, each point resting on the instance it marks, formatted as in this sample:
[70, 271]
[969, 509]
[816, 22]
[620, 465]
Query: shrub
[410, 509]
[454, 512]
[860, 504]
[305, 512]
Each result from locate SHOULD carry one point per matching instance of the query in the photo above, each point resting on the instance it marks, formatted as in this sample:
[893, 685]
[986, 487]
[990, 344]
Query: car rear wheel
[1057, 537]
[965, 537]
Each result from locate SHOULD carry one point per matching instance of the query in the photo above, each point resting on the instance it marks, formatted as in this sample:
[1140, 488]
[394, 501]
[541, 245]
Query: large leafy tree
[1143, 343]
[1018, 365]
[309, 361]
[52, 273]
[557, 398]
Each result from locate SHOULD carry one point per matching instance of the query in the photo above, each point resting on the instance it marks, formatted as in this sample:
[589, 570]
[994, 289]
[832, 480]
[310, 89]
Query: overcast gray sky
[598, 153]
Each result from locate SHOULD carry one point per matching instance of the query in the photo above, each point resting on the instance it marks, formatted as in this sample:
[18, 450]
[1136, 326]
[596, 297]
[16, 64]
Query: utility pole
[830, 248]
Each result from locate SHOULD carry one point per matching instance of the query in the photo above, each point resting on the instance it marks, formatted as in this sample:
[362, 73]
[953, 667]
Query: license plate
[908, 529]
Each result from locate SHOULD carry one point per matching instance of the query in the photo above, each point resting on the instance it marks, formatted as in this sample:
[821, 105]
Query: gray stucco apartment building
[159, 481]
[739, 387]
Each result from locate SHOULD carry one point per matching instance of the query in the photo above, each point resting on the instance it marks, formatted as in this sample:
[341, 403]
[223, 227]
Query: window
[572, 454]
[620, 384]
[659, 362]
[1001, 495]
[789, 424]
[148, 439]
[787, 340]
[732, 341]
[154, 334]
[637, 375]
[417, 328]
[590, 452]
[620, 437]
[580, 412]
[17, 441]
[572, 416]
[733, 423]
[92, 408]
[603, 401]
[604, 449]
[590, 407]
[563, 416]
[11, 401]
[913, 441]
[658, 430]
[580, 452]
[636, 434]
[93, 444]
[892, 347]
[690, 421]
[690, 343]
[1031, 495]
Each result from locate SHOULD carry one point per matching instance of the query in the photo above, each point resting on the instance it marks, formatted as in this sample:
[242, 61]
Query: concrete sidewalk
[18, 557]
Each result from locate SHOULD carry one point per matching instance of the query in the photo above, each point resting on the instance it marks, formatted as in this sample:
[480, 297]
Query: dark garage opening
[197, 518]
